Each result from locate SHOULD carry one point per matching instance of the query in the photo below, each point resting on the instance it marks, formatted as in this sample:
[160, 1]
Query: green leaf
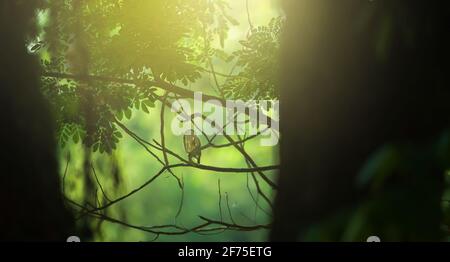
[76, 137]
[144, 108]
[149, 103]
[118, 134]
[379, 166]
[119, 115]
[128, 113]
[95, 147]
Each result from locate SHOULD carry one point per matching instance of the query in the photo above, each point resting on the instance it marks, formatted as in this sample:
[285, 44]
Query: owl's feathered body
[192, 146]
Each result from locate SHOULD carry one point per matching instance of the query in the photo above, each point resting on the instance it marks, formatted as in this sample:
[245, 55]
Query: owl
[192, 146]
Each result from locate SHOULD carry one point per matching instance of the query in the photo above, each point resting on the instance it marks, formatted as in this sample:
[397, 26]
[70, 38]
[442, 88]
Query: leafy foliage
[140, 41]
[258, 60]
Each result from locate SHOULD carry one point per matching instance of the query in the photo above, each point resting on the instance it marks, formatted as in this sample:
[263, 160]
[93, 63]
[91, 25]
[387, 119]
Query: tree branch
[181, 92]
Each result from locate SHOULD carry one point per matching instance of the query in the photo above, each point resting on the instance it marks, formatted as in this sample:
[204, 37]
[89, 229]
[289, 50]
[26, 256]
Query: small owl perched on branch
[192, 146]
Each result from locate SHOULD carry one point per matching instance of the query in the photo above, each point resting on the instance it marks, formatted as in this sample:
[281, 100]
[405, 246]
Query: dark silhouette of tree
[357, 76]
[32, 207]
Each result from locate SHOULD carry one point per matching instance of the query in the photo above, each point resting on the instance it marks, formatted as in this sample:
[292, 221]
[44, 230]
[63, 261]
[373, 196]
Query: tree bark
[32, 204]
[352, 81]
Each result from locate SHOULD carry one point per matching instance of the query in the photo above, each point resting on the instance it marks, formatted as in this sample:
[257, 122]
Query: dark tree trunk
[356, 75]
[32, 205]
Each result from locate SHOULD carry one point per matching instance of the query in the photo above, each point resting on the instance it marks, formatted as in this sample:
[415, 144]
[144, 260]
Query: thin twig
[248, 15]
[164, 229]
[229, 209]
[163, 141]
[65, 173]
[98, 183]
[180, 207]
[220, 200]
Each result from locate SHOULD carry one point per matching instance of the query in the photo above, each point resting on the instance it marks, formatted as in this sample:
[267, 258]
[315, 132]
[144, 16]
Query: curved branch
[181, 92]
[169, 229]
